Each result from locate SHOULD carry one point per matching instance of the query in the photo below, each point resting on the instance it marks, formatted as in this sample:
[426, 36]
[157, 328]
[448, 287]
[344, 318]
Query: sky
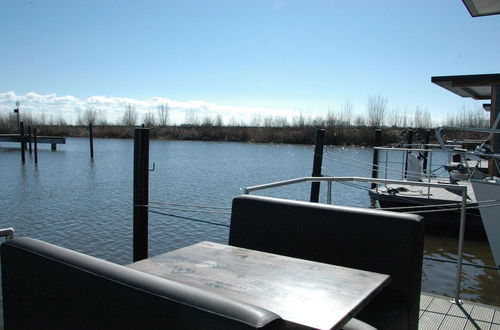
[239, 58]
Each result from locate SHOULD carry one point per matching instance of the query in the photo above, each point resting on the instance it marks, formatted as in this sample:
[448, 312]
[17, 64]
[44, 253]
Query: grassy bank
[352, 135]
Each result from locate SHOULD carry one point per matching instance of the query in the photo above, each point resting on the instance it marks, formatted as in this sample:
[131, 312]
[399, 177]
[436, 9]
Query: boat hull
[487, 194]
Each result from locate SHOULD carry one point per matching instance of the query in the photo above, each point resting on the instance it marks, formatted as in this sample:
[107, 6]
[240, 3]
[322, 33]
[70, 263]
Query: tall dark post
[29, 137]
[318, 160]
[426, 154]
[375, 168]
[495, 140]
[36, 145]
[141, 187]
[409, 142]
[91, 140]
[23, 146]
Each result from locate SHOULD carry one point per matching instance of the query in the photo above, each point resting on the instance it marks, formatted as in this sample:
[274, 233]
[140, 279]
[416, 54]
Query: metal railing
[330, 180]
[386, 169]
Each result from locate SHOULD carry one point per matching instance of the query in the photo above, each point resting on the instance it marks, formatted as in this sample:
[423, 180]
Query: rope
[197, 206]
[463, 263]
[191, 219]
[186, 210]
[388, 169]
[379, 168]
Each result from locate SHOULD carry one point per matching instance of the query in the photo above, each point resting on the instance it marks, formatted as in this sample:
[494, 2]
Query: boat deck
[437, 312]
[422, 195]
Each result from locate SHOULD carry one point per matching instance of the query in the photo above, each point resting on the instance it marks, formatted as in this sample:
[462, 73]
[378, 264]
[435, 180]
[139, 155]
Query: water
[85, 205]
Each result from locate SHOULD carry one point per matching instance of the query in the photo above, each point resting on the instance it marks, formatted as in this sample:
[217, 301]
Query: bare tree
[129, 117]
[90, 116]
[422, 119]
[346, 114]
[376, 107]
[218, 120]
[149, 119]
[191, 118]
[162, 112]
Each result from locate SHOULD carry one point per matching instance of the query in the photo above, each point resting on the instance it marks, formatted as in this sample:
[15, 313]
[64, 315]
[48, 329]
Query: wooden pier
[52, 140]
[438, 313]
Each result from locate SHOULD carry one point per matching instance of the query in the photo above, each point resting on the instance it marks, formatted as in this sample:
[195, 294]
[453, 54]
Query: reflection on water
[86, 205]
[478, 284]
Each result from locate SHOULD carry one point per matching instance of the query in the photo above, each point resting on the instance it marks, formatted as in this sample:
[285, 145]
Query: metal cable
[197, 206]
[463, 263]
[186, 210]
[387, 169]
[379, 170]
[191, 219]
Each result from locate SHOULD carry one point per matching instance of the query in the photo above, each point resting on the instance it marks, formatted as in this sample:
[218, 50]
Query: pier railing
[329, 180]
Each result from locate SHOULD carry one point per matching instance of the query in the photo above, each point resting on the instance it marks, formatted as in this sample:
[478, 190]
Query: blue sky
[274, 56]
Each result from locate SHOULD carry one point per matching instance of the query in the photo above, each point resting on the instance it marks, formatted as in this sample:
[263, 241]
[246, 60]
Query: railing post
[409, 142]
[23, 146]
[318, 160]
[457, 300]
[91, 140]
[375, 168]
[426, 141]
[36, 145]
[329, 196]
[141, 187]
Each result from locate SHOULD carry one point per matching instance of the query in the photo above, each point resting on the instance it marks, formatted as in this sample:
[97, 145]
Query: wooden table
[300, 291]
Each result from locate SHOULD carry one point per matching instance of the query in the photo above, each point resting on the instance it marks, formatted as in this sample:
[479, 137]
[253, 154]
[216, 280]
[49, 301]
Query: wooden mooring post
[35, 145]
[141, 199]
[23, 145]
[317, 162]
[375, 163]
[91, 141]
[29, 138]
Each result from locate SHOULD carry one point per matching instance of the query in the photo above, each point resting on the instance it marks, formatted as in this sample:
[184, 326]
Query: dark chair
[49, 287]
[373, 240]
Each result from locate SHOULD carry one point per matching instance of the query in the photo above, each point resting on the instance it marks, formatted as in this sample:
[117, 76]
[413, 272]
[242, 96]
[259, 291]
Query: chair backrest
[379, 241]
[49, 287]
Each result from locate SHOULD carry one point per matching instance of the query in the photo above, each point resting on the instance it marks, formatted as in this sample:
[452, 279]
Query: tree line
[295, 129]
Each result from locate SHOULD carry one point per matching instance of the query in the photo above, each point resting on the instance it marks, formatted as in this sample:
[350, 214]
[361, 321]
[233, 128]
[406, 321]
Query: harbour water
[86, 205]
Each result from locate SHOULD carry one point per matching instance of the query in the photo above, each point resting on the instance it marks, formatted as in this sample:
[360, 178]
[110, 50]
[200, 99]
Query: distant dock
[52, 140]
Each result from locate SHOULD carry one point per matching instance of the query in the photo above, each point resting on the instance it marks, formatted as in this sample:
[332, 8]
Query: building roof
[477, 86]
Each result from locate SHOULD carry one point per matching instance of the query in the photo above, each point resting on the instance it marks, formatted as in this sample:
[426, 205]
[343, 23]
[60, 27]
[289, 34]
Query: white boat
[487, 192]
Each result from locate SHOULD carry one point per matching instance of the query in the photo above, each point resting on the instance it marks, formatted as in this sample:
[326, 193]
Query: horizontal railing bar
[353, 178]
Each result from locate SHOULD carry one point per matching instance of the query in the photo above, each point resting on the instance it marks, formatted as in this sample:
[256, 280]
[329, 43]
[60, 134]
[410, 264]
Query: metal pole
[375, 168]
[29, 138]
[426, 141]
[457, 300]
[318, 159]
[141, 187]
[21, 130]
[36, 146]
[91, 140]
[329, 196]
[409, 142]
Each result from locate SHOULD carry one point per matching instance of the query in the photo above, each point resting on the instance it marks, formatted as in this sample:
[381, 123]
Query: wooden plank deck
[16, 138]
[426, 196]
[438, 313]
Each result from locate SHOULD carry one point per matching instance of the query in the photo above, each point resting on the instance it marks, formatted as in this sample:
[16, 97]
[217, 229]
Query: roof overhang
[476, 86]
[482, 7]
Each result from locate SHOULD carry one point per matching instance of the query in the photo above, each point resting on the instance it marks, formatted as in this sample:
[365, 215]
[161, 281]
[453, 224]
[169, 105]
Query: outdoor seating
[49, 287]
[379, 241]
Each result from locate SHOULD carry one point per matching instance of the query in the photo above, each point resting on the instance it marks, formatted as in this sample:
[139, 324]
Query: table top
[300, 291]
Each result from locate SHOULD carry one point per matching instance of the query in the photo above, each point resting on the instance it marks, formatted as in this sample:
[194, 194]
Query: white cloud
[69, 106]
